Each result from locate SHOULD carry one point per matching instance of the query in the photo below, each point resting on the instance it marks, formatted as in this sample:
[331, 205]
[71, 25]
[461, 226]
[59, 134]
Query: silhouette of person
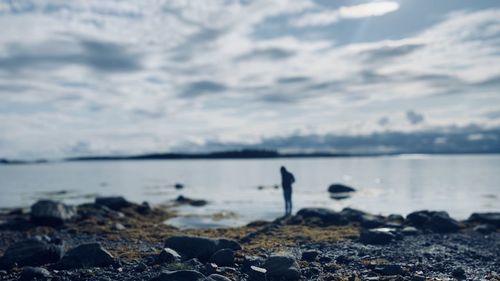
[287, 180]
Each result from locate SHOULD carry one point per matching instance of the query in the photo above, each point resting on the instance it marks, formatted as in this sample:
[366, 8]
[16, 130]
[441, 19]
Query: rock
[419, 218]
[458, 273]
[118, 226]
[327, 216]
[199, 247]
[144, 208]
[371, 221]
[32, 252]
[378, 236]
[168, 255]
[178, 186]
[34, 273]
[250, 261]
[484, 228]
[409, 230]
[87, 255]
[180, 275]
[217, 277]
[193, 202]
[310, 255]
[389, 269]
[396, 218]
[115, 203]
[488, 218]
[223, 257]
[434, 221]
[282, 267]
[352, 215]
[257, 273]
[340, 188]
[48, 212]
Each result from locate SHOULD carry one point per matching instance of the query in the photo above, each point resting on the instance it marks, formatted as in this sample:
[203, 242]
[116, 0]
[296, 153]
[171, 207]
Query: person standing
[287, 179]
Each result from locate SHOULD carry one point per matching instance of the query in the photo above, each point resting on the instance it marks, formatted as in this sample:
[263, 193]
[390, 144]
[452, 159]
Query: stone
[442, 222]
[340, 188]
[327, 216]
[217, 277]
[87, 255]
[199, 247]
[352, 215]
[31, 252]
[377, 236]
[144, 208]
[458, 273]
[282, 266]
[409, 230]
[484, 228]
[48, 212]
[488, 218]
[34, 273]
[396, 218]
[168, 255]
[113, 202]
[250, 261]
[389, 269]
[118, 226]
[257, 273]
[310, 255]
[180, 275]
[193, 202]
[223, 257]
[371, 221]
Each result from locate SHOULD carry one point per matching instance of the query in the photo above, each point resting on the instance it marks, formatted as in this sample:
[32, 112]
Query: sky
[128, 77]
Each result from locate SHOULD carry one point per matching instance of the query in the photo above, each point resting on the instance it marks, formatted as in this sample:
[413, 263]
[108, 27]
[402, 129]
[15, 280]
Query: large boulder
[282, 267]
[340, 188]
[31, 252]
[433, 221]
[48, 212]
[327, 216]
[180, 275]
[87, 255]
[199, 247]
[487, 218]
[113, 202]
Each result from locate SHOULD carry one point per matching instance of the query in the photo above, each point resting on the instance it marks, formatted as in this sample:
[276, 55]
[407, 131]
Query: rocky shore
[114, 239]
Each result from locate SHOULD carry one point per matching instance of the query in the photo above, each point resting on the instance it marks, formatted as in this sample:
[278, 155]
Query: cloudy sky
[124, 77]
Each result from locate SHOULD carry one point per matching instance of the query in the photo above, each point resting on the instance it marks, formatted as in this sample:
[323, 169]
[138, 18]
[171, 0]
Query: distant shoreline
[232, 155]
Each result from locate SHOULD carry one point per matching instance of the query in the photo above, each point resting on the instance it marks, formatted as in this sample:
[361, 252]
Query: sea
[240, 191]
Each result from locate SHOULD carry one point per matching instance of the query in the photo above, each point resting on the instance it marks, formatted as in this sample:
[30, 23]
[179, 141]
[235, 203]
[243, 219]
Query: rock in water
[340, 188]
[34, 273]
[223, 257]
[115, 203]
[87, 255]
[199, 247]
[282, 267]
[32, 252]
[327, 216]
[180, 275]
[377, 236]
[48, 212]
[168, 255]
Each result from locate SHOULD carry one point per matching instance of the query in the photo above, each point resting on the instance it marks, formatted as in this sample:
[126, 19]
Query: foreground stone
[31, 252]
[168, 255]
[114, 203]
[34, 273]
[199, 247]
[87, 255]
[282, 267]
[48, 212]
[180, 275]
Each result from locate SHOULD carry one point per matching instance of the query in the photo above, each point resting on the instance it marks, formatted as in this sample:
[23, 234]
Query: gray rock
[434, 221]
[484, 228]
[327, 216]
[396, 218]
[199, 247]
[217, 277]
[180, 275]
[488, 218]
[378, 236]
[118, 226]
[352, 215]
[282, 266]
[48, 212]
[310, 255]
[168, 255]
[340, 188]
[223, 257]
[257, 273]
[144, 208]
[32, 252]
[87, 255]
[114, 202]
[409, 230]
[371, 221]
[250, 261]
[34, 273]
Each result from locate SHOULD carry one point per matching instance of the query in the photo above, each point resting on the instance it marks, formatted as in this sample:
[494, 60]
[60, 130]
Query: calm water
[457, 184]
